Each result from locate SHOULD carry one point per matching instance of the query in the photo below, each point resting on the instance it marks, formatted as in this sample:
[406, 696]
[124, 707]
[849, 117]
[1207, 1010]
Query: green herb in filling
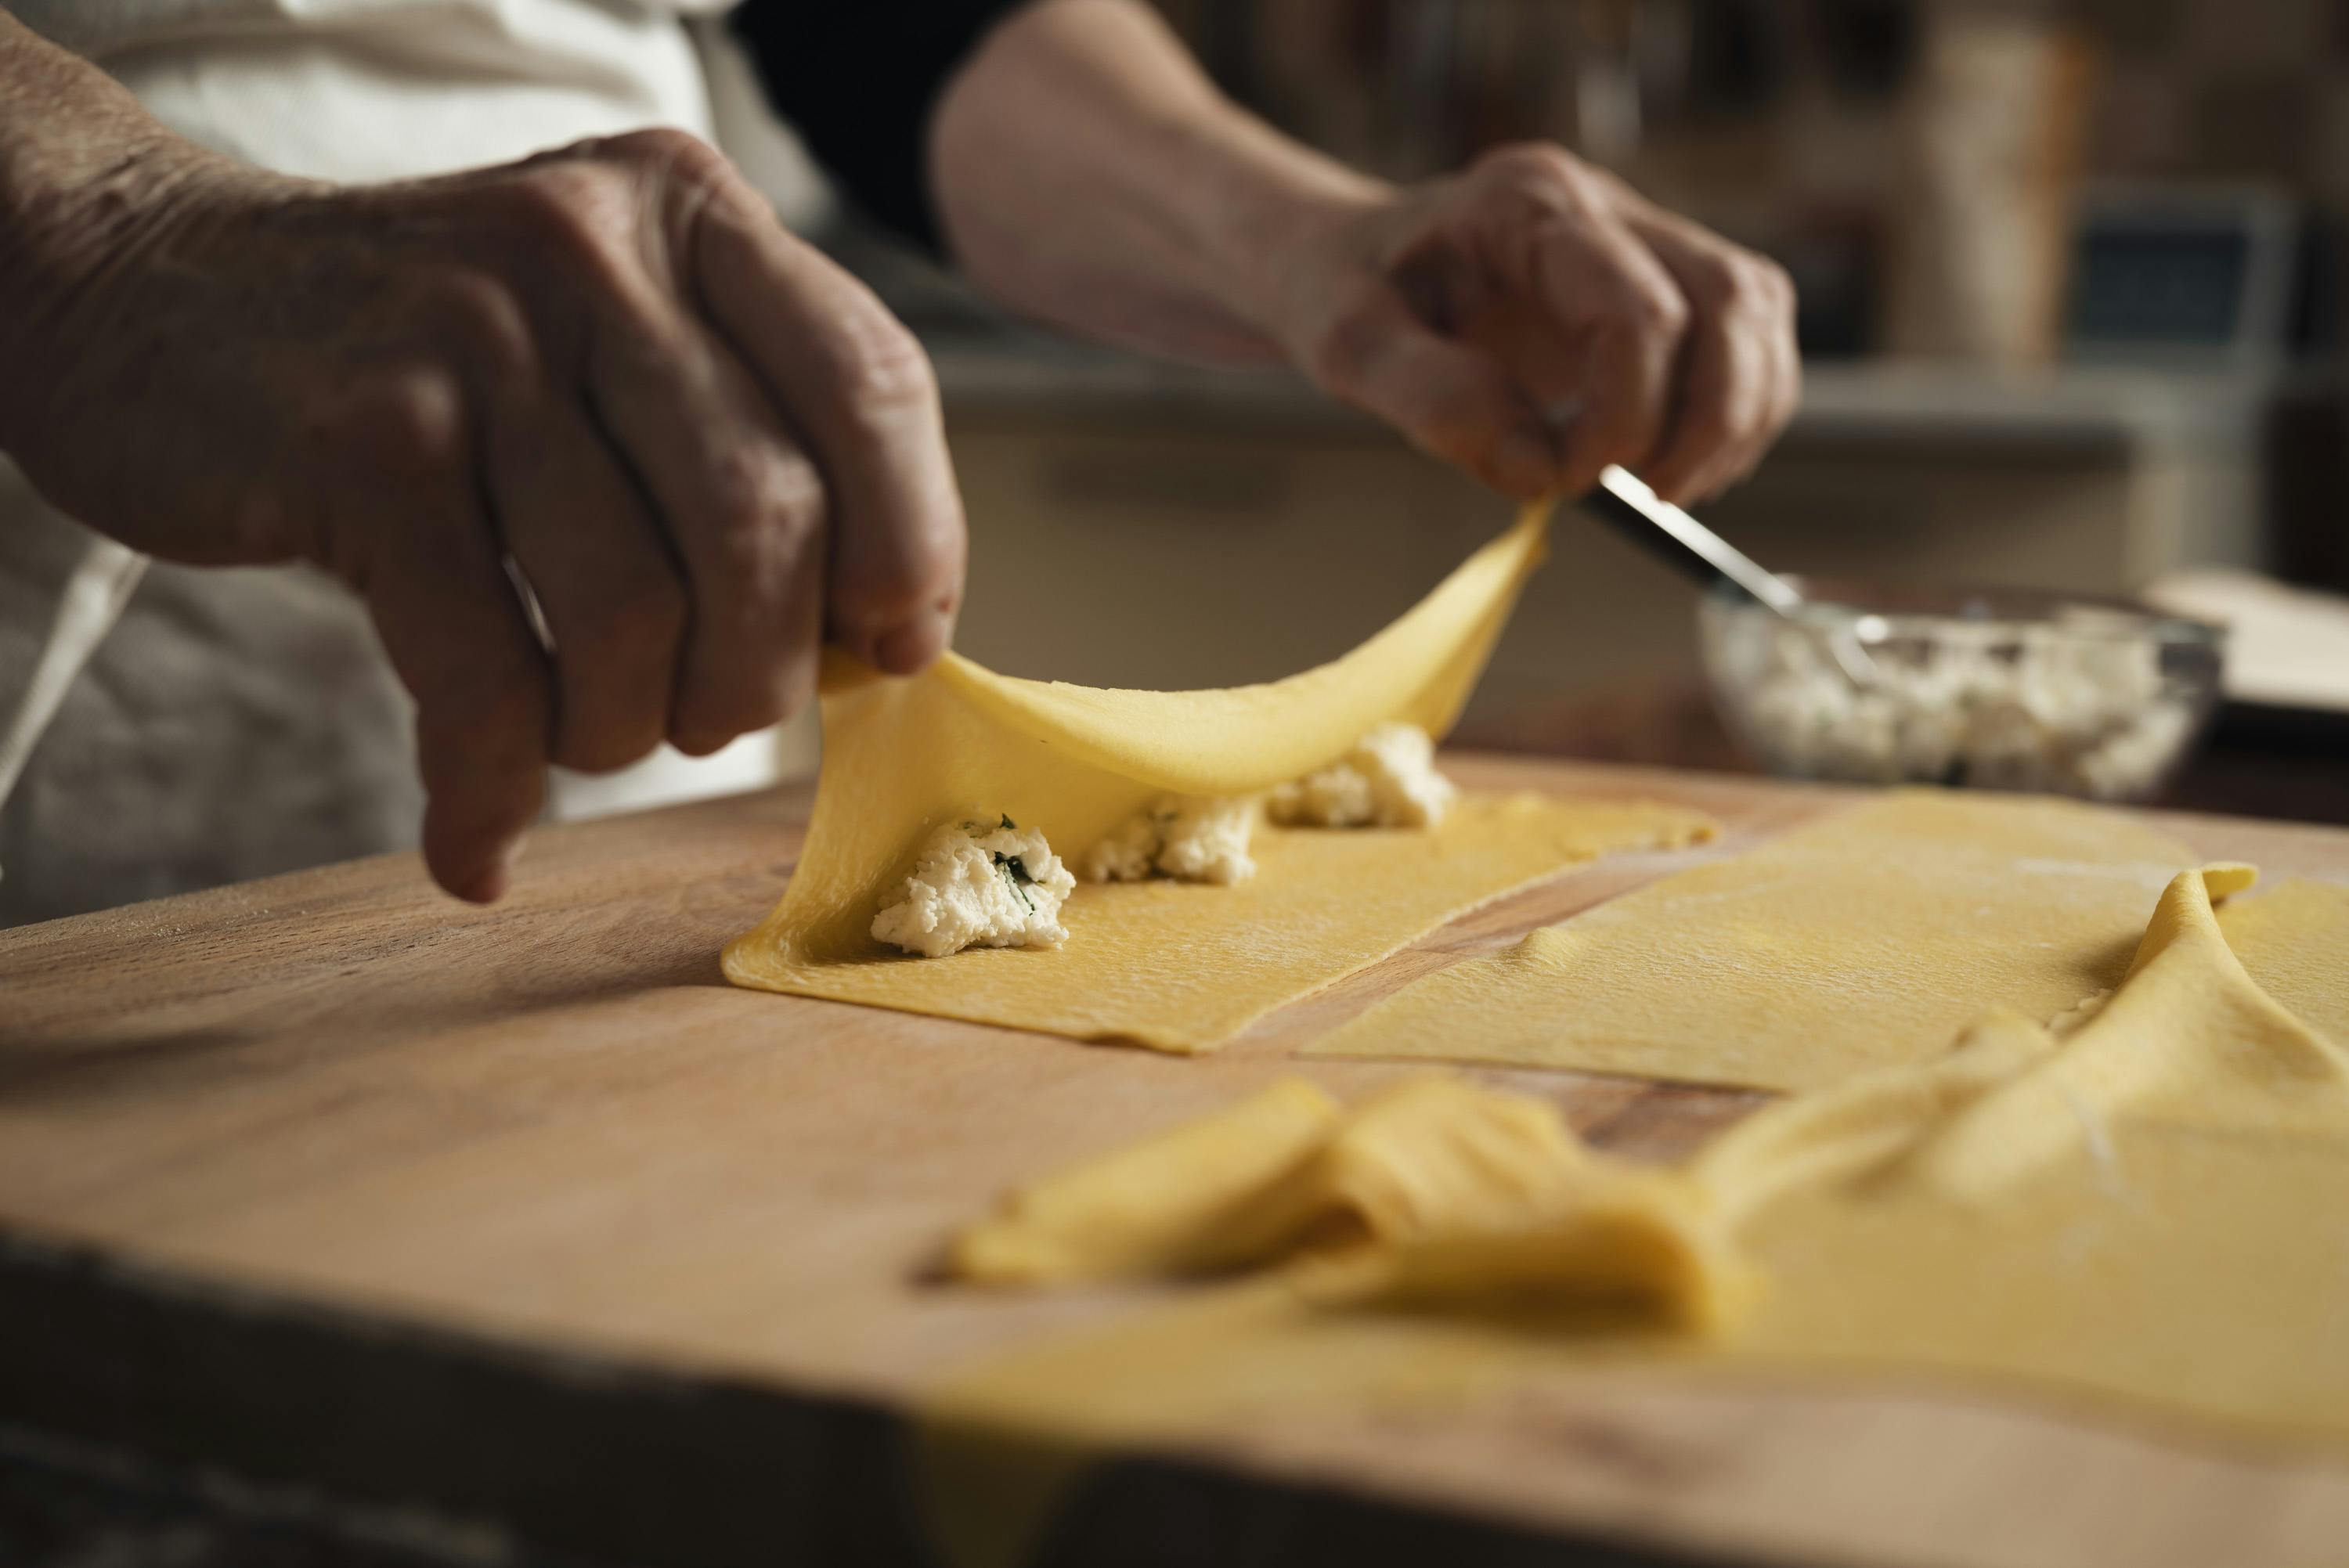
[1015, 875]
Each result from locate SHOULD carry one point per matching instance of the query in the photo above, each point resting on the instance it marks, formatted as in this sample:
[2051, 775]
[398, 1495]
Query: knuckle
[769, 503]
[879, 370]
[575, 214]
[1719, 282]
[1540, 186]
[668, 171]
[416, 422]
[1657, 309]
[1539, 166]
[1741, 283]
[650, 616]
[879, 587]
[768, 514]
[667, 149]
[488, 323]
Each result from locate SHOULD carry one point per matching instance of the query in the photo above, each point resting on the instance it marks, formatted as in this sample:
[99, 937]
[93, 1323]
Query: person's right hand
[1533, 319]
[703, 446]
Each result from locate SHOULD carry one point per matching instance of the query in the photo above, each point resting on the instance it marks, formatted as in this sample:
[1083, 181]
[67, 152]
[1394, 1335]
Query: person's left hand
[1533, 319]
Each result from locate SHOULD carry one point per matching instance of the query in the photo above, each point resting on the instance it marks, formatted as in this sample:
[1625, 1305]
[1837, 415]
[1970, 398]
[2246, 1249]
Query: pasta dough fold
[1431, 1190]
[1177, 967]
[2134, 1212]
[2127, 1210]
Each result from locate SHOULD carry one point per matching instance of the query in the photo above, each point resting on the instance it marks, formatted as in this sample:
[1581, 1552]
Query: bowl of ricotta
[1990, 688]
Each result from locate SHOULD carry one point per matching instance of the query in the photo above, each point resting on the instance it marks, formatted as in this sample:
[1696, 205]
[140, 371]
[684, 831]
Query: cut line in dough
[1864, 939]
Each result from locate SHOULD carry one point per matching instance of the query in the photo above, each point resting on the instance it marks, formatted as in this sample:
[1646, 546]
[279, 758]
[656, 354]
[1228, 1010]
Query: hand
[701, 445]
[1473, 312]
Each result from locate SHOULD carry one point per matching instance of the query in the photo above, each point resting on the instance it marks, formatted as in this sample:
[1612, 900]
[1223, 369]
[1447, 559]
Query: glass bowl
[1990, 688]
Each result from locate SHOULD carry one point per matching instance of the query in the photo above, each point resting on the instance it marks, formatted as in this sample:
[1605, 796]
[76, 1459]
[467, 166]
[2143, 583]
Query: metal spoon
[1625, 502]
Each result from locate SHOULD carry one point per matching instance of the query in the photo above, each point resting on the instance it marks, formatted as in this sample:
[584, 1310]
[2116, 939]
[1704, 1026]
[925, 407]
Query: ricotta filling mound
[976, 886]
[1188, 839]
[1388, 780]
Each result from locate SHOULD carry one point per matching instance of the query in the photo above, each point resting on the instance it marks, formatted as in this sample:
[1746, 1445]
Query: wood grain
[525, 1215]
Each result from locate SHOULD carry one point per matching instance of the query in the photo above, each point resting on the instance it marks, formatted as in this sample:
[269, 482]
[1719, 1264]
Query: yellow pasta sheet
[2141, 1208]
[2294, 941]
[1863, 941]
[2140, 1212]
[1180, 967]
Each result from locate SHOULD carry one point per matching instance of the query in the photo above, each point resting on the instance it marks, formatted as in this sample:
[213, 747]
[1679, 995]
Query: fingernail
[908, 647]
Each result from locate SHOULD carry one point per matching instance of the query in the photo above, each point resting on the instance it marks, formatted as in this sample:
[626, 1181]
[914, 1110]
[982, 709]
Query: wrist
[1175, 219]
[1283, 217]
[1295, 225]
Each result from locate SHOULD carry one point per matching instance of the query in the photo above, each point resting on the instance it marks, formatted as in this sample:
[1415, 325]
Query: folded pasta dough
[2135, 1210]
[1433, 1190]
[2137, 1207]
[1170, 1204]
[1178, 967]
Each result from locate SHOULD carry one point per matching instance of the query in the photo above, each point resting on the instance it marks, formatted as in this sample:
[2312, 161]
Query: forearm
[1086, 172]
[84, 170]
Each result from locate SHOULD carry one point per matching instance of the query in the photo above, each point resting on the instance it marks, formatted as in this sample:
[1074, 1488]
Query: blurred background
[2071, 279]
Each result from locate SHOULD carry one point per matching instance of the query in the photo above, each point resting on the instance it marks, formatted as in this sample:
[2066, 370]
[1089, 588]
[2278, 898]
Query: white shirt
[385, 89]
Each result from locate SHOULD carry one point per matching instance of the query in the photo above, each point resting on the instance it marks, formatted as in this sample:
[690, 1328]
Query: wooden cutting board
[523, 1216]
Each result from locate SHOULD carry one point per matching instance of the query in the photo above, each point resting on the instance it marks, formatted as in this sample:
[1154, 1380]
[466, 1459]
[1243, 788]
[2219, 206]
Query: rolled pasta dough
[1863, 941]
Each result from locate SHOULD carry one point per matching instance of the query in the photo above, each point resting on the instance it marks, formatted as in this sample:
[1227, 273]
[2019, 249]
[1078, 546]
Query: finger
[857, 384]
[1778, 370]
[1743, 379]
[1449, 398]
[741, 506]
[1633, 318]
[1783, 395]
[603, 577]
[1721, 410]
[455, 632]
[1786, 382]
